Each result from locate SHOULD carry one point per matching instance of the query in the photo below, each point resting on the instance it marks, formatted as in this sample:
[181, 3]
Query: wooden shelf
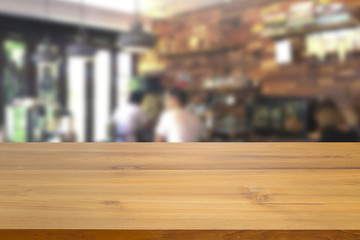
[221, 89]
[202, 52]
[318, 28]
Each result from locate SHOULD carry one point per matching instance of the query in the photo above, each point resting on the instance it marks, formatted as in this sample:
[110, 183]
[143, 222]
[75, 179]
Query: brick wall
[227, 39]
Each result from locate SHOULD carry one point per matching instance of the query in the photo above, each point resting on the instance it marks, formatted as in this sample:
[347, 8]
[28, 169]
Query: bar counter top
[220, 186]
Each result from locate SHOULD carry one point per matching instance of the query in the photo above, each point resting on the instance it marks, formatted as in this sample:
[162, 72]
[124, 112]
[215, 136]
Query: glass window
[14, 84]
[102, 95]
[77, 97]
[125, 74]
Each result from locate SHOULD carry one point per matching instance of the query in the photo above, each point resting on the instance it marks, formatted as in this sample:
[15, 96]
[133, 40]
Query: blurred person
[152, 107]
[130, 119]
[177, 124]
[197, 105]
[332, 124]
[2, 137]
[66, 127]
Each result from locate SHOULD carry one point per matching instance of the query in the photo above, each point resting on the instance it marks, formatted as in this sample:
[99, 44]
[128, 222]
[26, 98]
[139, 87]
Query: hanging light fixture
[81, 47]
[46, 51]
[136, 40]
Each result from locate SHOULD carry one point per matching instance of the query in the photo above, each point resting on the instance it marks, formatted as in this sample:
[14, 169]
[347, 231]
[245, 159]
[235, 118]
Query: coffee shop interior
[179, 71]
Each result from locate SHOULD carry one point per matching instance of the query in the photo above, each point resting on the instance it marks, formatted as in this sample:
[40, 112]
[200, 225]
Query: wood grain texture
[112, 156]
[176, 235]
[180, 186]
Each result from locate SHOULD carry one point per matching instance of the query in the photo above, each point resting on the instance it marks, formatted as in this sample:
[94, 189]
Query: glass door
[102, 65]
[14, 91]
[77, 97]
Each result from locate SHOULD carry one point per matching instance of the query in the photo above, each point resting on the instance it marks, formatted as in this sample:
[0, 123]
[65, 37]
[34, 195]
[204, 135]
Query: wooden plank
[90, 156]
[178, 199]
[180, 186]
[177, 235]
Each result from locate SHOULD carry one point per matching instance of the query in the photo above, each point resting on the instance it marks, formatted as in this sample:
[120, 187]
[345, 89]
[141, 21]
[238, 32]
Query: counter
[163, 191]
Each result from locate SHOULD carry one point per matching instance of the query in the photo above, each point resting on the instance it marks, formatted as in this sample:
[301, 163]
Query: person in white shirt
[177, 124]
[128, 120]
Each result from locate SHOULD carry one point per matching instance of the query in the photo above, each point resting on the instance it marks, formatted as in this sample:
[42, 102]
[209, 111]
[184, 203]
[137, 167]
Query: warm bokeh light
[221, 71]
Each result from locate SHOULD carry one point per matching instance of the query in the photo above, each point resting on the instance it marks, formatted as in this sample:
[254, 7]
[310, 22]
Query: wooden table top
[271, 186]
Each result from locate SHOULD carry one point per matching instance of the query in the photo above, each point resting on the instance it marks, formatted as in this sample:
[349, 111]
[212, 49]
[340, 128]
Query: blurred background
[179, 71]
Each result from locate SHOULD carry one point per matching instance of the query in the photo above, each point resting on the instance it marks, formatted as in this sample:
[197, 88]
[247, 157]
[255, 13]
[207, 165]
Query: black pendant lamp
[46, 51]
[82, 46]
[136, 40]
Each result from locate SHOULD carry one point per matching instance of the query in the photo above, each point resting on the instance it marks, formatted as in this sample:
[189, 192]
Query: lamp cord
[82, 14]
[47, 9]
[47, 15]
[137, 9]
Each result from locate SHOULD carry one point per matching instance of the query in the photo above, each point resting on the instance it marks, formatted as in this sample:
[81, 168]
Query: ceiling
[149, 8]
[106, 14]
